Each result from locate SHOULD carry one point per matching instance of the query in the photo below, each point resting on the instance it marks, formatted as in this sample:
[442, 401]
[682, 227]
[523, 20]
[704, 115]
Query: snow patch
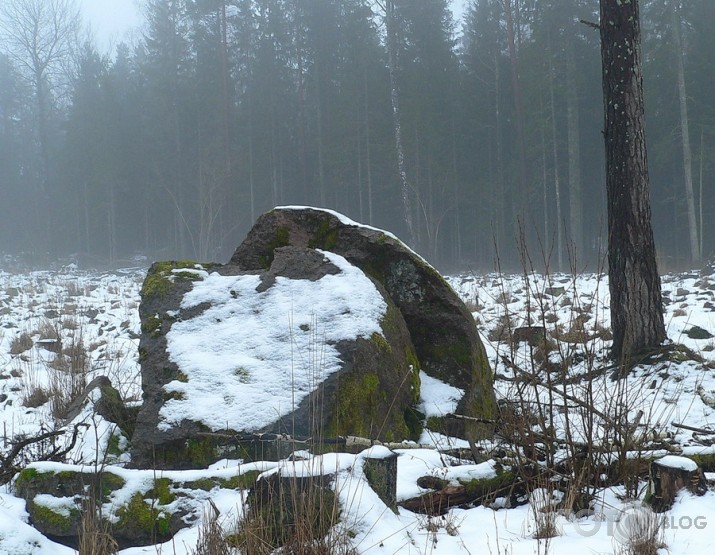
[252, 357]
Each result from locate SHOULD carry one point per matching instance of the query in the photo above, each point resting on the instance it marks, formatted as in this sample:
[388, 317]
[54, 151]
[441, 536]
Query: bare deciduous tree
[41, 38]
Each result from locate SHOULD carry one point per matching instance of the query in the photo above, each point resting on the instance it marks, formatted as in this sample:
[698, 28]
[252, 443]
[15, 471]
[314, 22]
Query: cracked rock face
[316, 326]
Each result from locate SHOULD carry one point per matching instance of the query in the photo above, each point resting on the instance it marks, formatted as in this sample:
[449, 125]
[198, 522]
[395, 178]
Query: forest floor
[559, 393]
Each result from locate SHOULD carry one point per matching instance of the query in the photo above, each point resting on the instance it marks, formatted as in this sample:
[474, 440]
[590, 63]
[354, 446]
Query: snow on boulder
[442, 329]
[309, 345]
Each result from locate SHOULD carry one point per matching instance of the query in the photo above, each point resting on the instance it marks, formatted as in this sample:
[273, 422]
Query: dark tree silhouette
[636, 305]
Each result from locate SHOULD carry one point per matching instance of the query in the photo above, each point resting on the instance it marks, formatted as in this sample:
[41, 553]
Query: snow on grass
[104, 308]
[252, 357]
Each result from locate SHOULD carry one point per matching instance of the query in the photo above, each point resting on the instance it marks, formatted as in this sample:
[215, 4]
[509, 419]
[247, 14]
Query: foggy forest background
[173, 146]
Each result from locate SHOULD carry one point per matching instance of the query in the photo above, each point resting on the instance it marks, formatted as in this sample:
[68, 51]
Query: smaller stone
[696, 332]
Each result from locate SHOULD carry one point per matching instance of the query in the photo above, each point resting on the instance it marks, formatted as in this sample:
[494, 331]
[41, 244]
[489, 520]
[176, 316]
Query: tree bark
[573, 131]
[557, 183]
[509, 10]
[634, 283]
[395, 99]
[685, 140]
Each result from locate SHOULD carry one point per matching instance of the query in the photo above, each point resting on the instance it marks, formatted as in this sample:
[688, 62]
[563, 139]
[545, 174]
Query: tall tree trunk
[634, 283]
[700, 200]
[518, 105]
[685, 139]
[319, 125]
[368, 160]
[573, 132]
[557, 183]
[500, 228]
[395, 99]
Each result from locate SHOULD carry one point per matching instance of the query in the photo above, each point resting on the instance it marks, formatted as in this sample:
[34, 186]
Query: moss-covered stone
[240, 481]
[142, 519]
[161, 492]
[381, 474]
[158, 279]
[324, 237]
[484, 489]
[280, 239]
[442, 330]
[108, 484]
[290, 511]
[53, 522]
[26, 477]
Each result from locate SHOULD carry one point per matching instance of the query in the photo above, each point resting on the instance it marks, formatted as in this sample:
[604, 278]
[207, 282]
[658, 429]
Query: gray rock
[425, 326]
[372, 394]
[442, 329]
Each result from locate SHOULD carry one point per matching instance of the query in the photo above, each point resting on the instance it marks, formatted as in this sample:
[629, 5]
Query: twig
[590, 24]
[692, 428]
[347, 441]
[7, 469]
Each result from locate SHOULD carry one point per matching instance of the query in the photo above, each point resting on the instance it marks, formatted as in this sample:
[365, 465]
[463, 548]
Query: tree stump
[381, 473]
[671, 474]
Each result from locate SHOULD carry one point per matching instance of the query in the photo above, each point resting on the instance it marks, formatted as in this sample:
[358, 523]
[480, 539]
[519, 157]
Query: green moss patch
[145, 517]
[52, 521]
[379, 340]
[281, 239]
[240, 481]
[485, 489]
[325, 236]
[161, 492]
[159, 278]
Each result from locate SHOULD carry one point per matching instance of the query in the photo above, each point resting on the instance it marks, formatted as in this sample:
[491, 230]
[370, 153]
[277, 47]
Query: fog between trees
[225, 109]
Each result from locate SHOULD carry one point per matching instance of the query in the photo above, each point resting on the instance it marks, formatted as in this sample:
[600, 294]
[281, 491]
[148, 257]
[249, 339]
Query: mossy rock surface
[54, 521]
[164, 287]
[371, 393]
[56, 500]
[374, 391]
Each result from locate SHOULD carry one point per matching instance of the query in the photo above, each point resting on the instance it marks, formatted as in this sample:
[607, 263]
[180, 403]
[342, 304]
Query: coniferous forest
[470, 140]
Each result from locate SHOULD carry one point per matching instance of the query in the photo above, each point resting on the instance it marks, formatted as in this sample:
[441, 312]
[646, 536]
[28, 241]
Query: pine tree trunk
[573, 130]
[557, 183]
[509, 10]
[368, 158]
[634, 283]
[685, 141]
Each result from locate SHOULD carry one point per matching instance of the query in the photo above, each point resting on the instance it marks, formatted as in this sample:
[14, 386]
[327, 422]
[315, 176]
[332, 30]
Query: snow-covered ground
[98, 311]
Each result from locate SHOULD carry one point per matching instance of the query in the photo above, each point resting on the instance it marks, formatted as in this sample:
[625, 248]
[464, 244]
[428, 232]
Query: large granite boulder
[317, 327]
[441, 327]
[310, 347]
